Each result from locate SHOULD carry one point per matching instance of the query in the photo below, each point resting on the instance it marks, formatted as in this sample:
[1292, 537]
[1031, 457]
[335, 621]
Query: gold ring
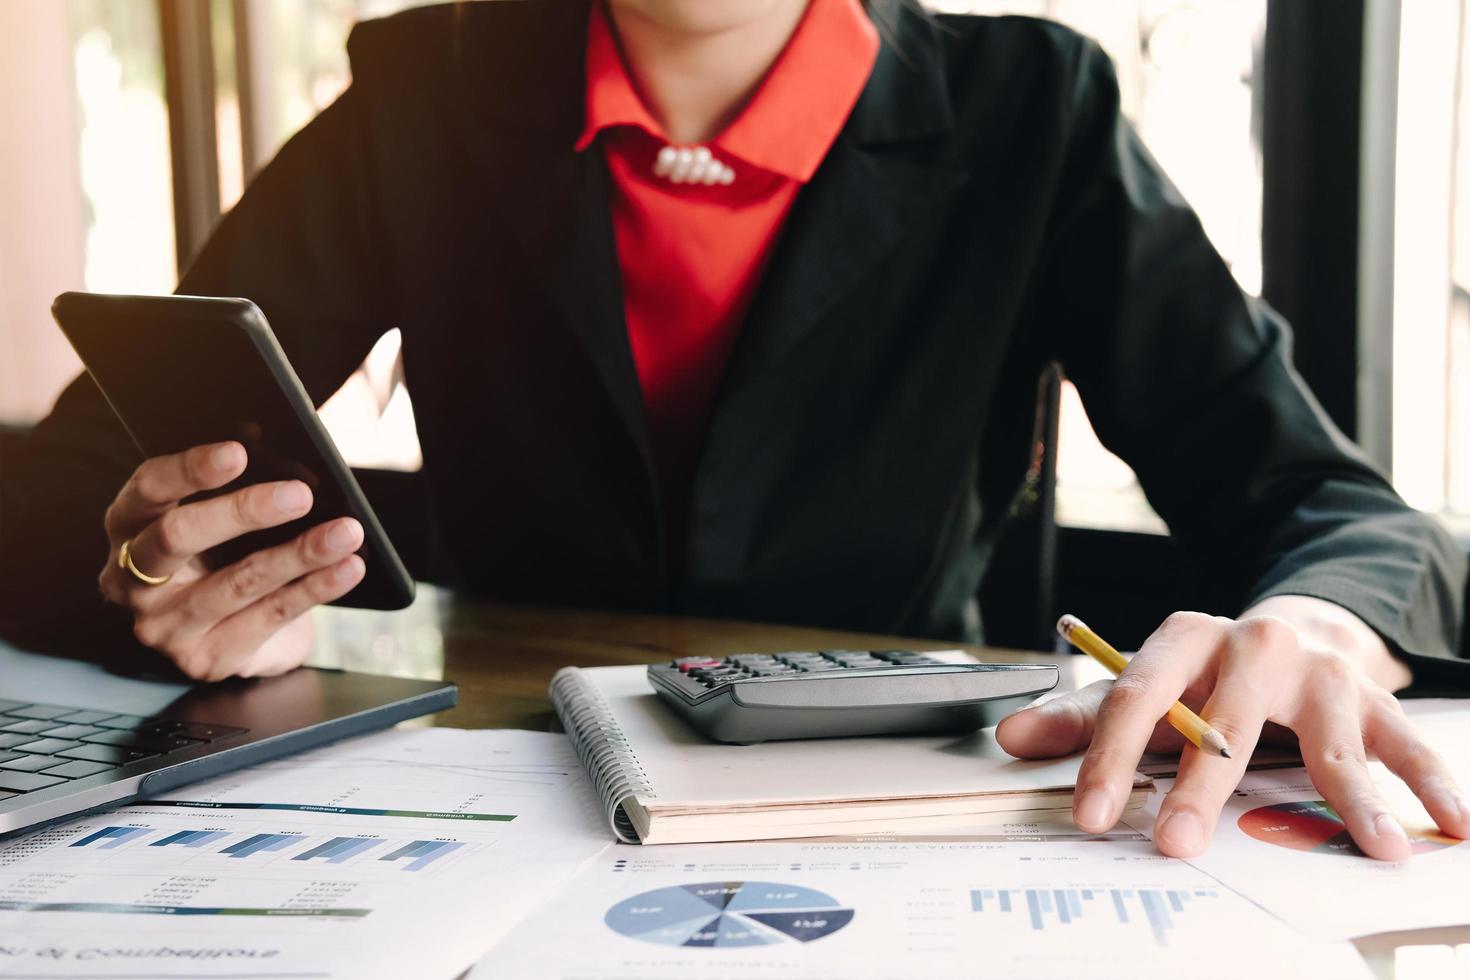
[125, 562]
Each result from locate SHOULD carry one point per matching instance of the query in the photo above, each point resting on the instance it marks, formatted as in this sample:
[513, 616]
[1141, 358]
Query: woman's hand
[247, 619]
[1304, 664]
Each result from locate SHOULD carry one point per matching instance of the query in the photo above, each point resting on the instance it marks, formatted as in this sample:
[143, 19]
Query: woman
[736, 308]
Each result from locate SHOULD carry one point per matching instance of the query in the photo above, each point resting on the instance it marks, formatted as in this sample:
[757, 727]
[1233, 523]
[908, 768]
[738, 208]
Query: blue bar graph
[1160, 907]
[260, 842]
[190, 838]
[423, 852]
[339, 849]
[111, 837]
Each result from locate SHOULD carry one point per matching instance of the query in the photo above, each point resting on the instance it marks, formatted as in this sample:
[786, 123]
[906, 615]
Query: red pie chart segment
[1313, 825]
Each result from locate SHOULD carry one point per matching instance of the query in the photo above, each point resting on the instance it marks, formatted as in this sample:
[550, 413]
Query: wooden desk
[503, 657]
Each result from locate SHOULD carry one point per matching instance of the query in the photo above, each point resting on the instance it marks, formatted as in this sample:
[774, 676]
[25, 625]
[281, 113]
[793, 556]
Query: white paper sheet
[937, 909]
[405, 853]
[1281, 846]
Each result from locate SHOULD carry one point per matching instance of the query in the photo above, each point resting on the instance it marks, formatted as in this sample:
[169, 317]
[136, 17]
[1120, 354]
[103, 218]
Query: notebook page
[687, 770]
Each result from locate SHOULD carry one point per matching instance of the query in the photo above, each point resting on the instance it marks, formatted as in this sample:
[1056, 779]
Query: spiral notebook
[661, 782]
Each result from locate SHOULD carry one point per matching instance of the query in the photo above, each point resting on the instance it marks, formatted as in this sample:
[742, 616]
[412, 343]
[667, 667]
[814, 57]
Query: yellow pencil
[1189, 724]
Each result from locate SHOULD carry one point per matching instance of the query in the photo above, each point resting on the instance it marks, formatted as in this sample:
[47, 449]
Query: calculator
[761, 697]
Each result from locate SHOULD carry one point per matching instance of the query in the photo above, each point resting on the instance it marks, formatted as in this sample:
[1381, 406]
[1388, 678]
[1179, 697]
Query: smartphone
[185, 371]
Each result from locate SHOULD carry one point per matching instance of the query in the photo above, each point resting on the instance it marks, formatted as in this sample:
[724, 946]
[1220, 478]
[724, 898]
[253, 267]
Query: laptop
[76, 736]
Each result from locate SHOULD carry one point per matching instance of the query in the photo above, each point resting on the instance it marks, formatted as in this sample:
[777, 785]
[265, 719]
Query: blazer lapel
[563, 219]
[552, 200]
[862, 200]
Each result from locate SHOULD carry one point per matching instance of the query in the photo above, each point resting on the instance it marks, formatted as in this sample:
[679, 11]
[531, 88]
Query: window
[278, 63]
[1431, 260]
[1188, 75]
[88, 204]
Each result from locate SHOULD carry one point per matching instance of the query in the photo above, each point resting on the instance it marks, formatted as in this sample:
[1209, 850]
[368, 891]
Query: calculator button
[718, 673]
[688, 664]
[853, 658]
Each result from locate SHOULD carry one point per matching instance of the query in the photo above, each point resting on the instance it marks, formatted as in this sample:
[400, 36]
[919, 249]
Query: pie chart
[1312, 825]
[728, 913]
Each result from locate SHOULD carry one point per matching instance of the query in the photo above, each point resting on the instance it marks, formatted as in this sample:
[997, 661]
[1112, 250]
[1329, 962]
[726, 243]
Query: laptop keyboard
[42, 745]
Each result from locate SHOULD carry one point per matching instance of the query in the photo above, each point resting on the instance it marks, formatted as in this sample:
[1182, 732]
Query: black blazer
[985, 210]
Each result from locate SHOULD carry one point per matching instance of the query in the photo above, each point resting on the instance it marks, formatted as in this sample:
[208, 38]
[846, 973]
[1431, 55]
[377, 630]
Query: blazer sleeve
[1190, 381]
[303, 244]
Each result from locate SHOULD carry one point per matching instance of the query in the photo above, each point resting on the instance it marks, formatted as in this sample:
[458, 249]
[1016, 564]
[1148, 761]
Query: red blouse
[691, 254]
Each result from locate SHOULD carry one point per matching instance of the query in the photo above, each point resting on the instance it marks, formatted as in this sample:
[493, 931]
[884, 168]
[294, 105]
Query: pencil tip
[1225, 752]
[1067, 623]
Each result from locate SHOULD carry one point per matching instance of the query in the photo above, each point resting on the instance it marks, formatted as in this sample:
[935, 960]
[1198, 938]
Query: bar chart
[423, 853]
[190, 838]
[1048, 909]
[257, 843]
[339, 849]
[110, 838]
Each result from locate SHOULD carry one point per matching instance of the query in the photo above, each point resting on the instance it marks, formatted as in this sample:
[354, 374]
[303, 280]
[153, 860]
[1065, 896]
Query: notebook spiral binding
[599, 742]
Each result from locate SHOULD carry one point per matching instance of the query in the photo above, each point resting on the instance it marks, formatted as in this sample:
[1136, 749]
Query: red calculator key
[697, 663]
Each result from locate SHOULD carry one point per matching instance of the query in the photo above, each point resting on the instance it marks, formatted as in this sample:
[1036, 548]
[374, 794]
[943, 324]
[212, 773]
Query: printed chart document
[1013, 908]
[1280, 845]
[405, 853]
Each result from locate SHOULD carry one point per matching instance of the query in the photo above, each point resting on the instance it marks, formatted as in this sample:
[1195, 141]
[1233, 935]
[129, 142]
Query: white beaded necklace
[691, 165]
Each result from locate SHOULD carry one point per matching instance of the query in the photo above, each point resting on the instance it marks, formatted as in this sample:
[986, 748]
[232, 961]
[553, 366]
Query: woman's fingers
[160, 482]
[181, 533]
[1064, 724]
[252, 578]
[1188, 815]
[153, 491]
[1126, 719]
[237, 638]
[1057, 727]
[1401, 747]
[1254, 669]
[1329, 727]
